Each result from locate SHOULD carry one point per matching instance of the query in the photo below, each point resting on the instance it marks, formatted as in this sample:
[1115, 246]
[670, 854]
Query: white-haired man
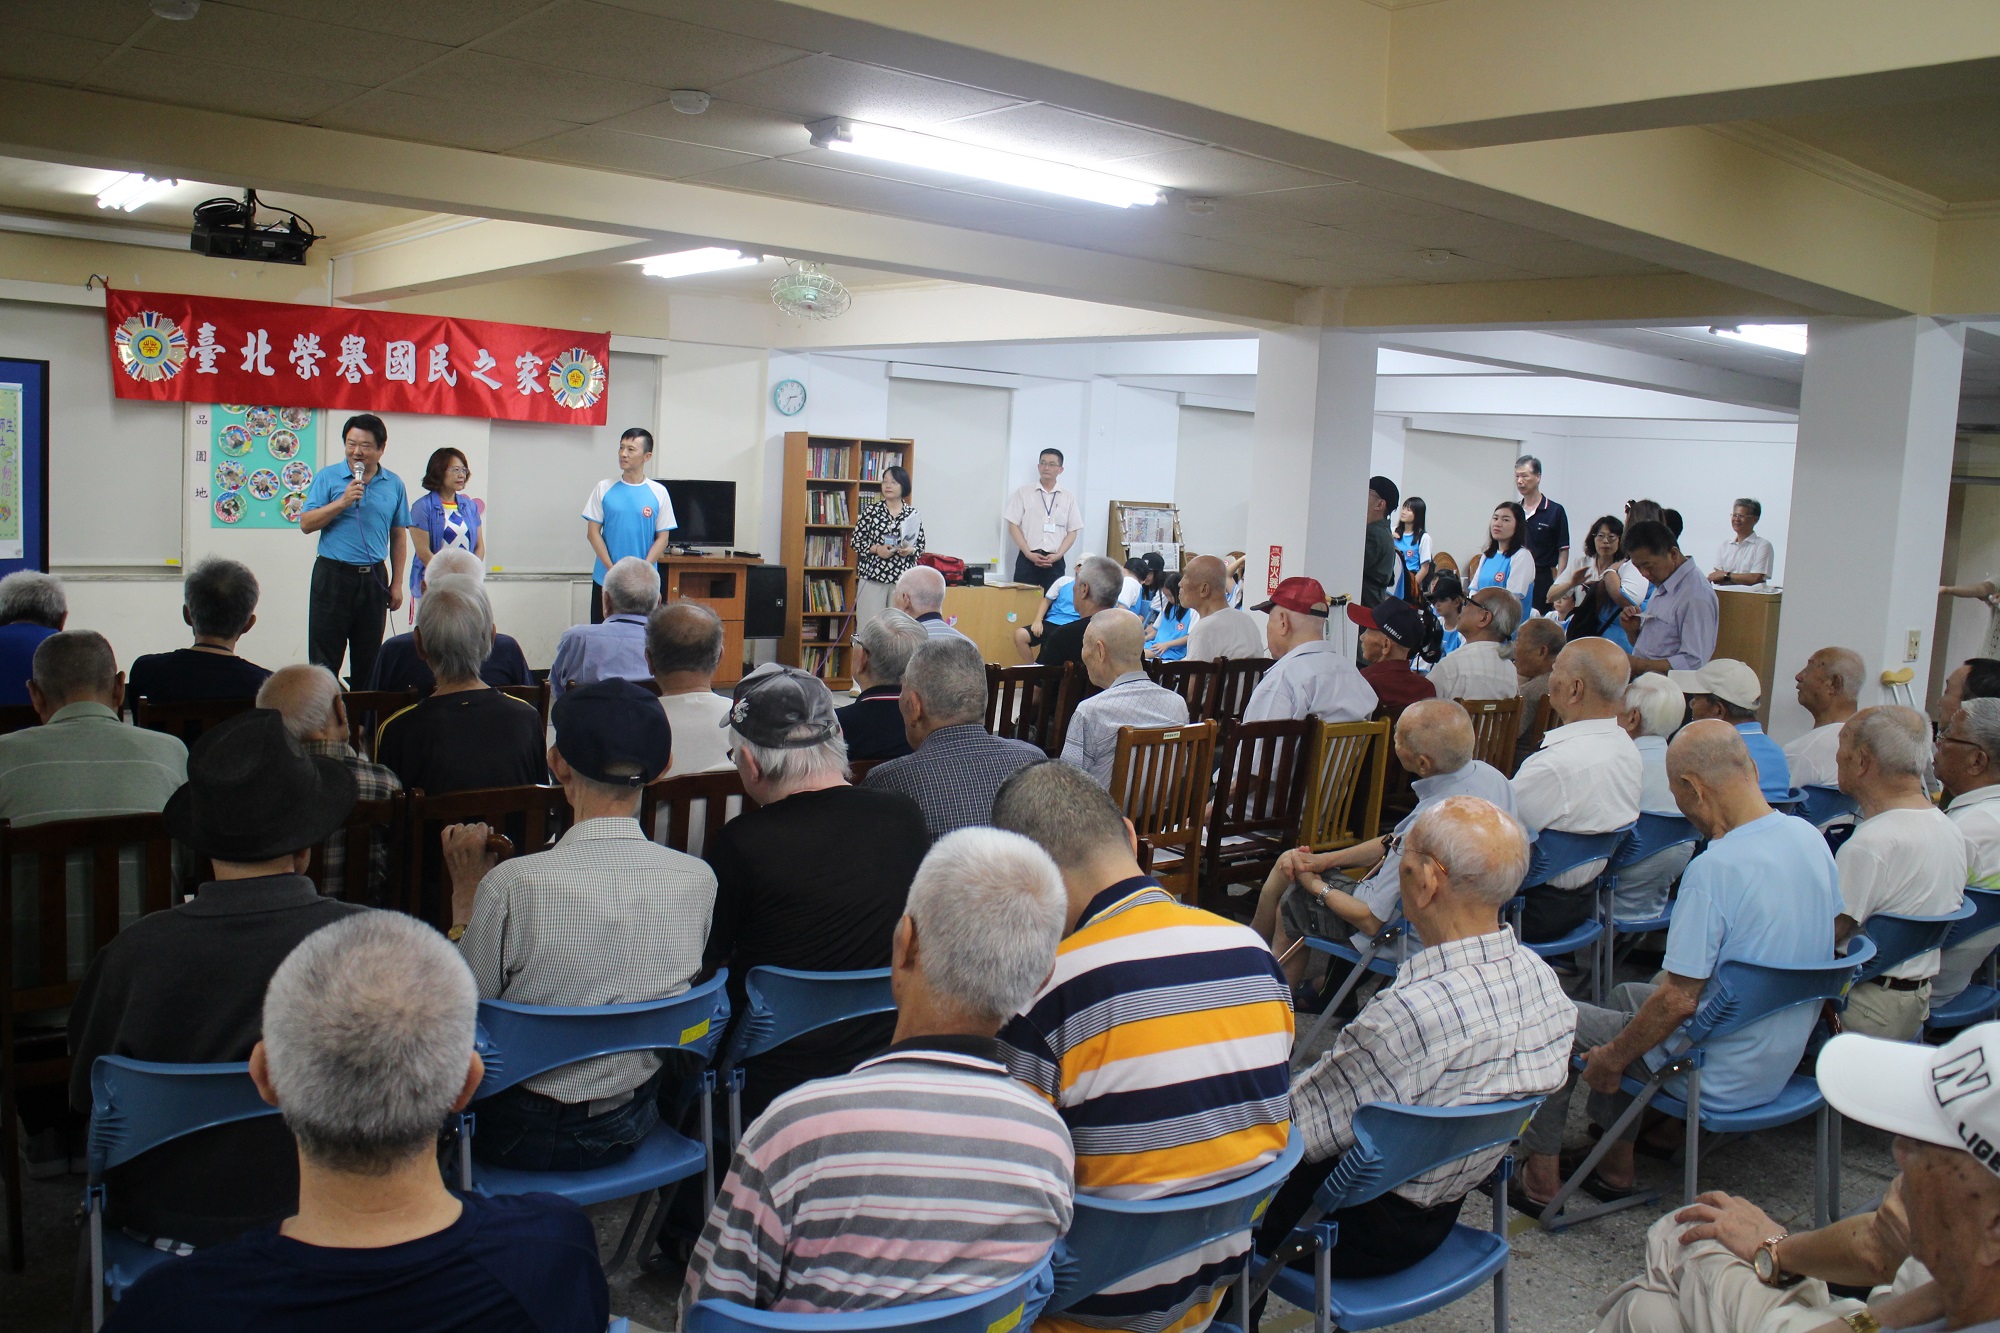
[1829, 687]
[308, 698]
[465, 734]
[1906, 857]
[835, 1199]
[616, 647]
[958, 766]
[815, 877]
[1114, 648]
[1098, 582]
[1536, 645]
[1479, 667]
[219, 603]
[1654, 707]
[397, 665]
[32, 607]
[1311, 677]
[873, 723]
[1967, 759]
[919, 595]
[367, 1049]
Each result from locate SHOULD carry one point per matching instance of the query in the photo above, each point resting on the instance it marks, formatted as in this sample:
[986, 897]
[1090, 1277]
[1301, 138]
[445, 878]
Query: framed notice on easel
[24, 465]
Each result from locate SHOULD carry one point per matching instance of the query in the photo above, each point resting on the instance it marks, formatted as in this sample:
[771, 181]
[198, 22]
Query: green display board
[260, 461]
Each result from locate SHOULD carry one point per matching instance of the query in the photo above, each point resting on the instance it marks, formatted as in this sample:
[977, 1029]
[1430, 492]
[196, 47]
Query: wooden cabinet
[718, 583]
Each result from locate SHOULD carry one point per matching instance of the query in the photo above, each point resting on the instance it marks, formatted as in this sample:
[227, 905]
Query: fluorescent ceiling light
[1780, 337]
[989, 164]
[132, 191]
[708, 259]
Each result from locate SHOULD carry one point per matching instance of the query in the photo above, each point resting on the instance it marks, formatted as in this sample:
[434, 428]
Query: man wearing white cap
[1729, 689]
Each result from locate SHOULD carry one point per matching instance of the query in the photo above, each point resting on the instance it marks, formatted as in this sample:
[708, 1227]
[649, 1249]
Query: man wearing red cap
[1311, 677]
[1390, 631]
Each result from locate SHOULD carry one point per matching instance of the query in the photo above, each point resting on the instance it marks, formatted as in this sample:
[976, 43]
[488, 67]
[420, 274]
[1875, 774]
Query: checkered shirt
[372, 782]
[1132, 700]
[954, 775]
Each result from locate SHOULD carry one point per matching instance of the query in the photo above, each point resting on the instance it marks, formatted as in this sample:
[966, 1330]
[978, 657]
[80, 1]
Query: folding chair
[1392, 1145]
[187, 718]
[1496, 727]
[1555, 853]
[1001, 1310]
[1350, 763]
[1160, 779]
[1820, 806]
[1652, 835]
[1370, 957]
[1031, 703]
[1738, 995]
[1979, 1001]
[519, 1041]
[781, 1003]
[1900, 938]
[1112, 1239]
[136, 1106]
[1258, 803]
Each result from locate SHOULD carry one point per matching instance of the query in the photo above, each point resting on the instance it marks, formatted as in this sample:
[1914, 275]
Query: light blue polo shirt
[1774, 771]
[632, 516]
[1766, 892]
[359, 534]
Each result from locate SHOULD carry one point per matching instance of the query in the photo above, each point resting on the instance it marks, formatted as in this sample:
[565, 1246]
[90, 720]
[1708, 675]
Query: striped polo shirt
[1164, 1039]
[925, 1172]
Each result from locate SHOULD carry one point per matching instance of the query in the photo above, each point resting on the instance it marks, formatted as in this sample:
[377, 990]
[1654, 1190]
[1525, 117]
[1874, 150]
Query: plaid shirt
[1132, 700]
[1466, 1022]
[954, 775]
[372, 782]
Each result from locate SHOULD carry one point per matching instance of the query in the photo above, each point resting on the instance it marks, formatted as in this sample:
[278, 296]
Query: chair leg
[1835, 1209]
[96, 1241]
[1243, 1291]
[10, 1167]
[1691, 1167]
[1820, 1214]
[1553, 1217]
[707, 1142]
[631, 1230]
[1500, 1313]
[1322, 1290]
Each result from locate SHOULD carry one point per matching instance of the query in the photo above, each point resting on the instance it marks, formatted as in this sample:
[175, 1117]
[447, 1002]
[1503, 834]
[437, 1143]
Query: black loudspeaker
[764, 602]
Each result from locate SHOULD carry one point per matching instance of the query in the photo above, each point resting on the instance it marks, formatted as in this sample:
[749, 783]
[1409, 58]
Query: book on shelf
[822, 662]
[826, 462]
[827, 507]
[877, 462]
[825, 597]
[825, 550]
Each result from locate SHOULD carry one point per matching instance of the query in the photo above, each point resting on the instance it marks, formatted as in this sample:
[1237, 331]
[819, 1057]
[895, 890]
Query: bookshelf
[827, 481]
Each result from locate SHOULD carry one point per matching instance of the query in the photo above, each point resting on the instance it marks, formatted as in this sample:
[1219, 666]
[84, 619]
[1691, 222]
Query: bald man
[1222, 631]
[1764, 892]
[919, 595]
[1114, 657]
[1312, 677]
[1829, 686]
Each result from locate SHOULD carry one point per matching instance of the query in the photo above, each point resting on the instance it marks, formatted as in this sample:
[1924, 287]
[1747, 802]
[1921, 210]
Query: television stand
[719, 583]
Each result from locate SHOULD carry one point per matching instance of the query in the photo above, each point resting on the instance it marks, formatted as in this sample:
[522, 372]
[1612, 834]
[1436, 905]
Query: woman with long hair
[444, 516]
[888, 538]
[1413, 546]
[1506, 562]
[1168, 641]
[1600, 585]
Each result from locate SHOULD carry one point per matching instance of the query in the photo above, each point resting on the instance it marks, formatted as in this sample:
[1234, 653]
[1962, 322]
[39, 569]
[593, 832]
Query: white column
[1310, 456]
[1877, 419]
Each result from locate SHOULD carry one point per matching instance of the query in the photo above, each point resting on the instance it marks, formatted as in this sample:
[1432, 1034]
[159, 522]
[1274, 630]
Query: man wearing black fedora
[187, 984]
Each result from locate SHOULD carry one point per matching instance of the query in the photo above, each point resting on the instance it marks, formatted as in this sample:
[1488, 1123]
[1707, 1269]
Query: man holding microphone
[362, 515]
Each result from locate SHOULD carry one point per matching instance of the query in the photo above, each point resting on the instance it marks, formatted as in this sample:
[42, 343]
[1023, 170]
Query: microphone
[360, 471]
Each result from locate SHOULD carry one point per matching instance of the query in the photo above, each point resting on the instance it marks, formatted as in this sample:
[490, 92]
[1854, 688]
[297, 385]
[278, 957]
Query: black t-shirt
[397, 666]
[513, 1263]
[189, 673]
[464, 741]
[873, 725]
[1063, 643]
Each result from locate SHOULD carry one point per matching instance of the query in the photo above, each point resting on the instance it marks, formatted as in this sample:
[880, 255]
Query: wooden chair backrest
[1344, 792]
[18, 717]
[1160, 779]
[187, 718]
[367, 709]
[528, 816]
[1235, 681]
[1262, 783]
[1192, 681]
[1544, 714]
[1496, 725]
[667, 808]
[1031, 703]
[536, 694]
[368, 822]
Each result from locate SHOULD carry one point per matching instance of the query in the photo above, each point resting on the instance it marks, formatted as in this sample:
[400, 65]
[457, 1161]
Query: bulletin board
[259, 462]
[24, 465]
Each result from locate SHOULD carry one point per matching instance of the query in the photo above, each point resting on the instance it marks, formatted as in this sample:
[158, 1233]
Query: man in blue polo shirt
[362, 514]
[1729, 689]
[626, 515]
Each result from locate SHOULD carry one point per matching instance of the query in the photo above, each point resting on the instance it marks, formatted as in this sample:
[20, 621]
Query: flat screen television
[704, 512]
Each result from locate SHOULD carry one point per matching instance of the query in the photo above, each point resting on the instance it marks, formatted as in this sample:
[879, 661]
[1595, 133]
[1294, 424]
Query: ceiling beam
[1545, 396]
[1552, 354]
[479, 252]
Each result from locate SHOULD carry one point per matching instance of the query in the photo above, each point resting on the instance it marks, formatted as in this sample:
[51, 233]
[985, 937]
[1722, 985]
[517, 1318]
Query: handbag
[950, 566]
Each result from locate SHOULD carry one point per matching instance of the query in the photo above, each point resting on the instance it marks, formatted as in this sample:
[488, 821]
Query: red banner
[209, 349]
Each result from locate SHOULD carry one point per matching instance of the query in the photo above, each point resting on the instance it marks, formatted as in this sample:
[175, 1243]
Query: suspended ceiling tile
[163, 78]
[278, 46]
[1041, 130]
[643, 48]
[1215, 171]
[112, 21]
[873, 194]
[450, 22]
[732, 125]
[480, 80]
[443, 120]
[821, 85]
[876, 169]
[665, 158]
[49, 57]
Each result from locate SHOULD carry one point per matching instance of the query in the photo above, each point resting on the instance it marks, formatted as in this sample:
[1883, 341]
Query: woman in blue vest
[1413, 548]
[1506, 562]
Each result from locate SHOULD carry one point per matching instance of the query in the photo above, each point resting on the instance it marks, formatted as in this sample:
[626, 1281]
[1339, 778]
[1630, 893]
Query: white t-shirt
[1128, 593]
[1227, 633]
[1910, 862]
[1586, 778]
[1811, 757]
[700, 743]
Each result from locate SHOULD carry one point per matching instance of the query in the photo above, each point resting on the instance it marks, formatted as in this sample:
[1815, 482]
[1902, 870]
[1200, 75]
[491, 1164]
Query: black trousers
[1545, 578]
[344, 618]
[1550, 914]
[597, 603]
[1027, 571]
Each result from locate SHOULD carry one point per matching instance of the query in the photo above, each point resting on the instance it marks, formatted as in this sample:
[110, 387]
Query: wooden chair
[1192, 681]
[1344, 794]
[1031, 703]
[530, 817]
[367, 709]
[370, 825]
[1259, 803]
[75, 861]
[1398, 798]
[1528, 744]
[18, 717]
[1235, 681]
[187, 718]
[669, 814]
[1160, 779]
[1496, 725]
[536, 694]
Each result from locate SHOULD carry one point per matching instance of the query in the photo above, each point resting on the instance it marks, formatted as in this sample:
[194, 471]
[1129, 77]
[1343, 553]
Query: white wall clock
[789, 397]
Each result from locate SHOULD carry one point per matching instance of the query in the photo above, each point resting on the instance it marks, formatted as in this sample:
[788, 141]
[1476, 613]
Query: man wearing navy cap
[606, 916]
[1390, 631]
[1312, 677]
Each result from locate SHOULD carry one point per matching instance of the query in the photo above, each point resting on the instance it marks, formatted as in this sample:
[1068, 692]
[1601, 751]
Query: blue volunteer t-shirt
[525, 1262]
[632, 516]
[359, 535]
[1062, 602]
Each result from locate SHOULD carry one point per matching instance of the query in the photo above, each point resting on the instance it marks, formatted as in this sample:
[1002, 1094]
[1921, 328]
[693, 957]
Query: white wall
[1459, 478]
[1212, 479]
[1134, 441]
[960, 472]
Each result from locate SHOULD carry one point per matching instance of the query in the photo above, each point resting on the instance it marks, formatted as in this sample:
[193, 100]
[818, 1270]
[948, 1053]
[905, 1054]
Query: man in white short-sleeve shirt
[629, 514]
[1222, 630]
[1829, 687]
[1043, 519]
[1906, 857]
[1746, 559]
[1312, 677]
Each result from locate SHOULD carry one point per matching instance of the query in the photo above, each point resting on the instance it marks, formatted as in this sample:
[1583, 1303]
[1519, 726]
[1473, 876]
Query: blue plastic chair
[1652, 835]
[519, 1041]
[1372, 957]
[135, 1107]
[1822, 805]
[1002, 1310]
[1738, 995]
[1979, 1001]
[1555, 853]
[1393, 1144]
[1111, 1239]
[1900, 938]
[781, 1003]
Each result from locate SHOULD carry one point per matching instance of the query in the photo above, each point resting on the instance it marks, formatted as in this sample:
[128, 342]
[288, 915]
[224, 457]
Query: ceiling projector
[228, 229]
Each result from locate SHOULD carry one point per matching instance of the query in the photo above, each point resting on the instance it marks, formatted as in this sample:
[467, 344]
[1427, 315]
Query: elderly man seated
[1390, 631]
[1162, 1038]
[82, 761]
[32, 607]
[1967, 759]
[1311, 677]
[1098, 582]
[1479, 668]
[1829, 687]
[1728, 689]
[1474, 1017]
[1654, 707]
[615, 648]
[815, 877]
[926, 1172]
[219, 603]
[683, 649]
[465, 734]
[958, 766]
[398, 665]
[1224, 629]
[1114, 655]
[1763, 892]
[919, 595]
[606, 916]
[366, 1050]
[1906, 857]
[1584, 779]
[1536, 645]
[873, 723]
[308, 698]
[1434, 743]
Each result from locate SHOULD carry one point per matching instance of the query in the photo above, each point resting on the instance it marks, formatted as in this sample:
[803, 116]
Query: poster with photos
[260, 462]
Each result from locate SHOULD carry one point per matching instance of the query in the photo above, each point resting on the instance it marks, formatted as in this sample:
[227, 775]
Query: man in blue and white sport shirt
[629, 514]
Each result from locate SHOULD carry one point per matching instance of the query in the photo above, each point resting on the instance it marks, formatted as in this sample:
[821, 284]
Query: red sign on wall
[208, 349]
[1275, 572]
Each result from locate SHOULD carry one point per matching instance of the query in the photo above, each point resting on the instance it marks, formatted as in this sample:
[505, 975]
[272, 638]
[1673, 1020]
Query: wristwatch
[1769, 1271]
[1863, 1321]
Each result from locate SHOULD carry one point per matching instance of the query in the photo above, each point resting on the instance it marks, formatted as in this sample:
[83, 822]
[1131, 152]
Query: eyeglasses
[1957, 740]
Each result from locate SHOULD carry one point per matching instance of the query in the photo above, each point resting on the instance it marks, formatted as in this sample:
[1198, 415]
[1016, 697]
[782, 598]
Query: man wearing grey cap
[606, 916]
[815, 878]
